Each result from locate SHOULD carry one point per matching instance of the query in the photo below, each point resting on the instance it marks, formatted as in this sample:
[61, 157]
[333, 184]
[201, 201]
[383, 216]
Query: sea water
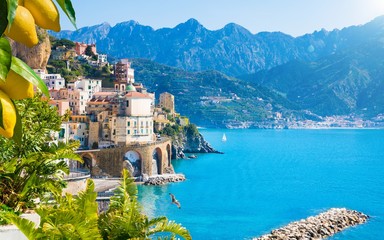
[268, 178]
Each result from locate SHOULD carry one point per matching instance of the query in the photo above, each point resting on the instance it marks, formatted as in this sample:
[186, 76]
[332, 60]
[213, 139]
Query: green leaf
[12, 5]
[66, 6]
[5, 58]
[1, 116]
[3, 16]
[18, 130]
[21, 68]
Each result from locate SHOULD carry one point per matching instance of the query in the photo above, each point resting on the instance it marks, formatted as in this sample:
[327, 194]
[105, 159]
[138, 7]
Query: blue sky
[294, 17]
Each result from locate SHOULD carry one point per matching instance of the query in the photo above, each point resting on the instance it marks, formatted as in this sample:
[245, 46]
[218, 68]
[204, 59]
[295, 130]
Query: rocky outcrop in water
[188, 142]
[163, 179]
[318, 227]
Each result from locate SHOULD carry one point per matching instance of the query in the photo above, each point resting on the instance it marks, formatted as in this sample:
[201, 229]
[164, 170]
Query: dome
[130, 88]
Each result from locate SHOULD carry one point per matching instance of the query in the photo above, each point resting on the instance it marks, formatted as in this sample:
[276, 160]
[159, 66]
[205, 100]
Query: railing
[74, 174]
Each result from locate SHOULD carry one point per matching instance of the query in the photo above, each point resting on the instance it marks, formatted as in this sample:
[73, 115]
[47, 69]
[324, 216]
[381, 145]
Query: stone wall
[110, 162]
[318, 227]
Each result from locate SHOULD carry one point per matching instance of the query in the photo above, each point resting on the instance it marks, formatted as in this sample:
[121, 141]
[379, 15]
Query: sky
[294, 17]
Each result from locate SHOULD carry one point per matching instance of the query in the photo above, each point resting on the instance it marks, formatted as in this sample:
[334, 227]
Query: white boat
[224, 138]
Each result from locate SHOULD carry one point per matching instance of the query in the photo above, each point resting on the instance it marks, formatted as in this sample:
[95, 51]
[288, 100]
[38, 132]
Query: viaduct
[139, 158]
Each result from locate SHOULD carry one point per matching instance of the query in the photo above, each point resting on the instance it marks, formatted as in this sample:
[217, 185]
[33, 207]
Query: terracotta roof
[137, 95]
[104, 94]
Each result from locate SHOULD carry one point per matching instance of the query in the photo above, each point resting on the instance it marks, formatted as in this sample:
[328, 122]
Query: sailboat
[224, 138]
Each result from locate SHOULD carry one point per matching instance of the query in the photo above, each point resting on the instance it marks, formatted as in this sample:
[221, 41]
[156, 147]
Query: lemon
[23, 28]
[9, 115]
[16, 87]
[45, 13]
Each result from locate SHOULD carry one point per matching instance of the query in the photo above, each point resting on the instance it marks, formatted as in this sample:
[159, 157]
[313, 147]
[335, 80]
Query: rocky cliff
[185, 142]
[37, 56]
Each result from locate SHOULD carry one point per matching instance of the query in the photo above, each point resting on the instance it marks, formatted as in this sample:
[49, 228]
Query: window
[127, 103]
[141, 131]
[129, 123]
[129, 132]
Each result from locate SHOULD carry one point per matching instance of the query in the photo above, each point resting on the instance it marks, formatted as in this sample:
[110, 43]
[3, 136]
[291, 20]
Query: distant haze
[295, 17]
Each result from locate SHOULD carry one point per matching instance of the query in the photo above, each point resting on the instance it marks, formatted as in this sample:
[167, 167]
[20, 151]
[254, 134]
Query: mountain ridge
[232, 49]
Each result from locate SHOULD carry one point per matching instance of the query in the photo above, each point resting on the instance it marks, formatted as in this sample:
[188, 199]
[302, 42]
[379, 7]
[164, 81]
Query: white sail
[224, 138]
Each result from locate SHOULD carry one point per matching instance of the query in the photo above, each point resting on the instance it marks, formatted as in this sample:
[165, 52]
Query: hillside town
[107, 117]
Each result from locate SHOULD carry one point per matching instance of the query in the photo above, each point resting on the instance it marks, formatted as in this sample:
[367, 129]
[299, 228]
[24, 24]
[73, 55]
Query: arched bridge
[149, 158]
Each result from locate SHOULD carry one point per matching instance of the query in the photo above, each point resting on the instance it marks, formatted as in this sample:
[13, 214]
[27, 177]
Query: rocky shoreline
[185, 143]
[320, 226]
[163, 179]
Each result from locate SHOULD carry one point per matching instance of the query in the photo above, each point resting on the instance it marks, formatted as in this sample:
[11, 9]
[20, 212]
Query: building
[102, 59]
[167, 101]
[80, 92]
[91, 86]
[53, 81]
[61, 104]
[77, 101]
[80, 48]
[124, 75]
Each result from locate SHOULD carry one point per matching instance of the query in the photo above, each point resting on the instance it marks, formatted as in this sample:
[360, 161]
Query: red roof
[137, 95]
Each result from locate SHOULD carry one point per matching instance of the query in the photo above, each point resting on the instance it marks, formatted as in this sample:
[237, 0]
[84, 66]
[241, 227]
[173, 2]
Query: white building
[101, 59]
[53, 81]
[91, 86]
[80, 92]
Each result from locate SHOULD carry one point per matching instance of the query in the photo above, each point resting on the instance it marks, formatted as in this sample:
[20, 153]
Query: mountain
[211, 98]
[232, 50]
[325, 73]
[347, 82]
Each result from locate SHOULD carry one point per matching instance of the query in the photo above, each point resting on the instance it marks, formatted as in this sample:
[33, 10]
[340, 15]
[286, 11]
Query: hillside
[211, 98]
[348, 82]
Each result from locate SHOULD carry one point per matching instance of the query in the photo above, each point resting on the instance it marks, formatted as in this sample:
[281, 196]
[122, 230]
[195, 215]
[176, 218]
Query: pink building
[62, 105]
[80, 48]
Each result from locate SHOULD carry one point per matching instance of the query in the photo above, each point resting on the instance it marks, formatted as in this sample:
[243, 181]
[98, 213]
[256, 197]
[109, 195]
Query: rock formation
[187, 143]
[163, 179]
[37, 56]
[318, 227]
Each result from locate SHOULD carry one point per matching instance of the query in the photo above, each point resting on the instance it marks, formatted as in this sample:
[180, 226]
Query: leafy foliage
[36, 166]
[39, 121]
[76, 218]
[191, 130]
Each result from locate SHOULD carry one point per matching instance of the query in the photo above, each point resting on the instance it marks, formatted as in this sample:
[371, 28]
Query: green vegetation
[212, 97]
[61, 42]
[191, 130]
[77, 67]
[34, 167]
[77, 218]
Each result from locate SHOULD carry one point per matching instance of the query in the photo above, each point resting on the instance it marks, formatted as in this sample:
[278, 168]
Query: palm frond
[26, 226]
[171, 227]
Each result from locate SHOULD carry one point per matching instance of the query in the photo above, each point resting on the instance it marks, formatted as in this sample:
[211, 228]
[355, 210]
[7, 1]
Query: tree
[88, 51]
[36, 165]
[77, 218]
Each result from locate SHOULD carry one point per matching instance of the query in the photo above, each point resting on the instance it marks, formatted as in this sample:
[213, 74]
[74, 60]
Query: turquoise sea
[268, 178]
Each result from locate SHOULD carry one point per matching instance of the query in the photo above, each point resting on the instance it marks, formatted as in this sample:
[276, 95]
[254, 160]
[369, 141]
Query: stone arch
[169, 154]
[133, 162]
[88, 162]
[157, 161]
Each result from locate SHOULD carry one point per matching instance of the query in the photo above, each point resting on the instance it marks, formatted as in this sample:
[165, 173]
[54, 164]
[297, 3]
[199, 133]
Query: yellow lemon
[45, 13]
[16, 87]
[9, 115]
[23, 28]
